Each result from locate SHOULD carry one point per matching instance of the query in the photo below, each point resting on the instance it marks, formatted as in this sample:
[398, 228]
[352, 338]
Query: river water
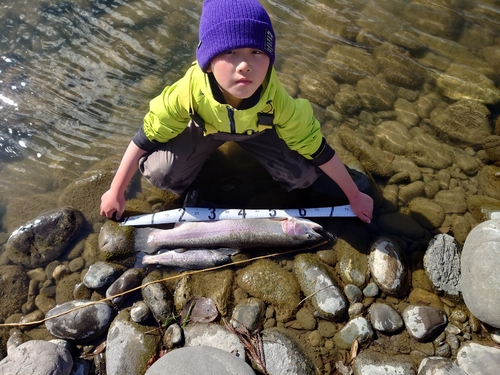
[76, 76]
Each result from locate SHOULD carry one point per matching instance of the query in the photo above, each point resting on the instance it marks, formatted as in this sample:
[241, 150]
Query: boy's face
[239, 73]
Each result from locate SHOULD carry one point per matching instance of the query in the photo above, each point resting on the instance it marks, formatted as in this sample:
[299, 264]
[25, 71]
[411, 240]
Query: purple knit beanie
[230, 24]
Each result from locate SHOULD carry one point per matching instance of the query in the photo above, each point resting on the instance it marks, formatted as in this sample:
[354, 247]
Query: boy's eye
[257, 52]
[230, 52]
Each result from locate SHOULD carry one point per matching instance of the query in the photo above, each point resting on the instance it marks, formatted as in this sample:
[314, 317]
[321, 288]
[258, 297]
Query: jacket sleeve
[296, 125]
[168, 113]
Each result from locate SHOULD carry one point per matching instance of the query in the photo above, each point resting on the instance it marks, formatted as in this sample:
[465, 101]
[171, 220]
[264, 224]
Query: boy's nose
[244, 66]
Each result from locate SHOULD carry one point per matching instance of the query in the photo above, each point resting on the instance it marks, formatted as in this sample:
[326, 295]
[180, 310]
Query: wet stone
[129, 346]
[479, 263]
[353, 293]
[369, 362]
[442, 265]
[266, 280]
[388, 267]
[489, 181]
[385, 319]
[426, 151]
[128, 280]
[43, 239]
[215, 335]
[315, 281]
[439, 366]
[423, 323]
[248, 313]
[466, 121]
[174, 336]
[86, 322]
[102, 275]
[283, 355]
[37, 357]
[475, 358]
[356, 329]
[428, 214]
[306, 319]
[375, 94]
[393, 136]
[158, 298]
[349, 64]
[200, 360]
[371, 290]
[139, 312]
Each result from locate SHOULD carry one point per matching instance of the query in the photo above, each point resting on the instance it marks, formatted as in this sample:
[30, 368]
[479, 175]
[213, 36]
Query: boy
[231, 94]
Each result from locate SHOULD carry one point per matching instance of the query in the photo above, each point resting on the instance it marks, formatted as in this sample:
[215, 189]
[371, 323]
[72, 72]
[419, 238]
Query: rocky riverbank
[407, 93]
[385, 295]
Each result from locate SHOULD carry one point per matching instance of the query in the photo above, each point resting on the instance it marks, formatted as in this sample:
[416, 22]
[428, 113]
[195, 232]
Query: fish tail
[142, 241]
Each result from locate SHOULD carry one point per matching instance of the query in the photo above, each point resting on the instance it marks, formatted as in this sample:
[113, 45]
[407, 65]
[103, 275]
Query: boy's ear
[209, 68]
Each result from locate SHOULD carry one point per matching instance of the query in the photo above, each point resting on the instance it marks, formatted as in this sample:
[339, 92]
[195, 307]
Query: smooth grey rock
[200, 360]
[315, 281]
[139, 312]
[389, 267]
[439, 366]
[158, 298]
[356, 329]
[89, 321]
[480, 277]
[128, 280]
[423, 323]
[248, 313]
[371, 290]
[477, 359]
[373, 363]
[129, 347]
[442, 265]
[37, 357]
[385, 319]
[214, 335]
[283, 355]
[102, 275]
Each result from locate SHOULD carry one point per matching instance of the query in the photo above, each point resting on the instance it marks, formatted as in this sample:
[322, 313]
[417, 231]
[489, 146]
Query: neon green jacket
[169, 113]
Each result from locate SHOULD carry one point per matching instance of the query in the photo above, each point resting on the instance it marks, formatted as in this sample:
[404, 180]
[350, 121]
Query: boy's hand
[362, 206]
[112, 204]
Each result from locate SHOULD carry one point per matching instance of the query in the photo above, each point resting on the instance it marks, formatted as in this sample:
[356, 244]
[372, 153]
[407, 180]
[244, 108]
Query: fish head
[302, 229]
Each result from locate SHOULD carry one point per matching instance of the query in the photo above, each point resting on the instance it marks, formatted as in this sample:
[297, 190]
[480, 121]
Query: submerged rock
[465, 121]
[45, 238]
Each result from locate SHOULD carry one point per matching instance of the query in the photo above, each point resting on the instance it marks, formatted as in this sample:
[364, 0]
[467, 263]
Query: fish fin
[142, 242]
[139, 259]
[228, 251]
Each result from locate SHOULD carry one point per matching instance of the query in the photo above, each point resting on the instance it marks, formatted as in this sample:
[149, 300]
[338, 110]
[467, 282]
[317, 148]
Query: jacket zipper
[232, 125]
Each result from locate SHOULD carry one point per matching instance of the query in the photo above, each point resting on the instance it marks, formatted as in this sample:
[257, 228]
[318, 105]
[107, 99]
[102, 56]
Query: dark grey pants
[175, 165]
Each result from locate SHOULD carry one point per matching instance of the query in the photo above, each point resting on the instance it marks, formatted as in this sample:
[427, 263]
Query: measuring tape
[212, 214]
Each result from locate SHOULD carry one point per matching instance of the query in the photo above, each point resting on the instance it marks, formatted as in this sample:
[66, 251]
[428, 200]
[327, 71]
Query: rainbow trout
[238, 234]
[193, 259]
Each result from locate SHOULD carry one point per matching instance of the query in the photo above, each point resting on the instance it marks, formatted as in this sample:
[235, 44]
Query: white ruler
[213, 214]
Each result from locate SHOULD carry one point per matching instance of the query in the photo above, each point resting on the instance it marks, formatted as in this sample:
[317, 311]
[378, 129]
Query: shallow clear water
[76, 76]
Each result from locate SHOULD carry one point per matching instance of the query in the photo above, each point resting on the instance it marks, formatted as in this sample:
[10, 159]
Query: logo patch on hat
[269, 44]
